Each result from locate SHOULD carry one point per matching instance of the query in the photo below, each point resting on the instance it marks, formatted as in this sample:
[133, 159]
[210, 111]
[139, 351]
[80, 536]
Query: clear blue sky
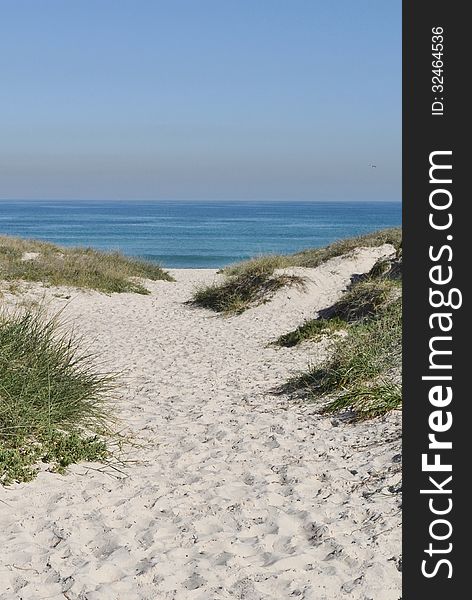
[200, 99]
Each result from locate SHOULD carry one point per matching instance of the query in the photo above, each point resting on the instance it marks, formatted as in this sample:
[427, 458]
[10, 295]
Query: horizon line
[191, 200]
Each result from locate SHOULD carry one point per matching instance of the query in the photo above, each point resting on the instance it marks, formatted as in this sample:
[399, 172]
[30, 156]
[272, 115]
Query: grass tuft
[31, 260]
[268, 264]
[53, 399]
[368, 401]
[255, 285]
[363, 299]
[314, 329]
[387, 268]
[363, 364]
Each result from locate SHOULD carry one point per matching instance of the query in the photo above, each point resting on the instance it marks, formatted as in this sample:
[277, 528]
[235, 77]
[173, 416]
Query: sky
[200, 99]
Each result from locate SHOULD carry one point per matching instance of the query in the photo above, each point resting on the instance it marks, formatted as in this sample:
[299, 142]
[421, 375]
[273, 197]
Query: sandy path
[237, 493]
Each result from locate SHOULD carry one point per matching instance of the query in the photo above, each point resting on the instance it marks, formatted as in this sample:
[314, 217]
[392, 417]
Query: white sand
[238, 492]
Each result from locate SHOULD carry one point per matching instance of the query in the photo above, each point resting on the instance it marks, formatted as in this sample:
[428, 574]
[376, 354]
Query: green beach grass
[314, 257]
[363, 372]
[254, 281]
[255, 285]
[31, 260]
[54, 400]
[313, 329]
[363, 300]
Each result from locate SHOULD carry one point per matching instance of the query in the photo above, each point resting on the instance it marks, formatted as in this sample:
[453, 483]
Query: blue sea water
[195, 234]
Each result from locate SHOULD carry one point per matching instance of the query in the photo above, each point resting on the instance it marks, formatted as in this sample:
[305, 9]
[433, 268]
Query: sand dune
[236, 492]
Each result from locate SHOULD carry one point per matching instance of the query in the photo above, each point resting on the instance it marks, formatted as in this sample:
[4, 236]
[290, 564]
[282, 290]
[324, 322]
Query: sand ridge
[237, 492]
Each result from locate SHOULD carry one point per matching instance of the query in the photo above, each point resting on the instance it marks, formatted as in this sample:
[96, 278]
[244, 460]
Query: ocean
[195, 234]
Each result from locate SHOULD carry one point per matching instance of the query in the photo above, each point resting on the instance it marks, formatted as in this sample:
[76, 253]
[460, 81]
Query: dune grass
[239, 292]
[254, 281]
[316, 256]
[313, 329]
[31, 260]
[370, 349]
[54, 401]
[363, 299]
[368, 401]
[364, 369]
[363, 373]
[267, 263]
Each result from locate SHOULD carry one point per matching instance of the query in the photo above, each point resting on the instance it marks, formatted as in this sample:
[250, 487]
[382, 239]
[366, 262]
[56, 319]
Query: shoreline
[221, 233]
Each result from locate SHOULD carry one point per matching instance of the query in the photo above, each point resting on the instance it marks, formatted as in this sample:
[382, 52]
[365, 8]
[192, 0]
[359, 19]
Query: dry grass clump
[31, 260]
[253, 286]
[54, 401]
